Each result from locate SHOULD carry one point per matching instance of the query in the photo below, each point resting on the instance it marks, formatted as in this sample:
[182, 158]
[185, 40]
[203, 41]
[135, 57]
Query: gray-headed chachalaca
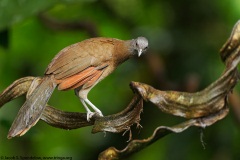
[80, 67]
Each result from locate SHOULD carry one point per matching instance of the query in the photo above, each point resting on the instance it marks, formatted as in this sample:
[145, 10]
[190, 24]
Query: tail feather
[32, 109]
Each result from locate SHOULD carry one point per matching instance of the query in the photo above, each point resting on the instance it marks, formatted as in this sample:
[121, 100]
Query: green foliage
[13, 11]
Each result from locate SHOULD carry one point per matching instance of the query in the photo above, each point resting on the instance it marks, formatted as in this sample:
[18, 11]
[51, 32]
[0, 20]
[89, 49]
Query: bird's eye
[136, 44]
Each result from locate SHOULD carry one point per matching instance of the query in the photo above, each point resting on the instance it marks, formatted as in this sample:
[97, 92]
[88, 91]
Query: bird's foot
[91, 114]
[99, 114]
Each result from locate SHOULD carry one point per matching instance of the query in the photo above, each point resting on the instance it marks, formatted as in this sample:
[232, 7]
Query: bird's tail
[32, 109]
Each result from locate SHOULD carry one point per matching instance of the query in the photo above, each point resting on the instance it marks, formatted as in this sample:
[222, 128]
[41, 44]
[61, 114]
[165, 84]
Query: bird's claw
[99, 114]
[91, 114]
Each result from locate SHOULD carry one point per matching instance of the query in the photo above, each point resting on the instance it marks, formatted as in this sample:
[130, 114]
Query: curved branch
[16, 89]
[205, 107]
[137, 145]
[115, 123]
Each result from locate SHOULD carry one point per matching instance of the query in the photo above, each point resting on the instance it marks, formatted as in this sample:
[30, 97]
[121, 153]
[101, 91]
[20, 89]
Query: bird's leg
[83, 98]
[94, 107]
[89, 112]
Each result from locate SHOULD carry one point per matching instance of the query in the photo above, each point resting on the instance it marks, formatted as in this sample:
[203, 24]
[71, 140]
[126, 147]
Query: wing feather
[77, 57]
[77, 78]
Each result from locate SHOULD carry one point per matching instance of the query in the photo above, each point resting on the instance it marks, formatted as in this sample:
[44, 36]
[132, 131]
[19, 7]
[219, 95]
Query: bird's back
[79, 56]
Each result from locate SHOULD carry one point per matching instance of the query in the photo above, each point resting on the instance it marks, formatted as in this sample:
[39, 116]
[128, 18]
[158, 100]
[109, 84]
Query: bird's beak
[139, 52]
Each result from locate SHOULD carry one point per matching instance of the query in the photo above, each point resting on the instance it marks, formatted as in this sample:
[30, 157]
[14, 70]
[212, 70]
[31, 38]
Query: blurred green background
[185, 37]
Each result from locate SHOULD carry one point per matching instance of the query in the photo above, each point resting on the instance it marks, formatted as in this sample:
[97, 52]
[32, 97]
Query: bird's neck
[123, 52]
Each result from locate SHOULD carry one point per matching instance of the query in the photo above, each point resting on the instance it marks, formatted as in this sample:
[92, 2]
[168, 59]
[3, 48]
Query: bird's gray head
[140, 45]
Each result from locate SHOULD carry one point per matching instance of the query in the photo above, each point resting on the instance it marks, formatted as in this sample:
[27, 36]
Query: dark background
[184, 42]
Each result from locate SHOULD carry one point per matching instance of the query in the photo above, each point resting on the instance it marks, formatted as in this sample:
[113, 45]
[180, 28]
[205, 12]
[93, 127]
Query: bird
[77, 67]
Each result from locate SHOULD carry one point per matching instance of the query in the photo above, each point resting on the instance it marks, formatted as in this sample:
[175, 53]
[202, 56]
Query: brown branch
[191, 105]
[137, 145]
[205, 107]
[65, 120]
[115, 123]
[211, 99]
[16, 89]
[121, 121]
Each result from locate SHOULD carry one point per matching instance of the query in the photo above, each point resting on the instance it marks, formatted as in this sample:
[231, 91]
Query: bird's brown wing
[85, 78]
[78, 57]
